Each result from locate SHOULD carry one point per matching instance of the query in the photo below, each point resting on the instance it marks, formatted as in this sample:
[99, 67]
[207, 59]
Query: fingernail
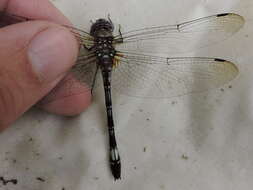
[51, 53]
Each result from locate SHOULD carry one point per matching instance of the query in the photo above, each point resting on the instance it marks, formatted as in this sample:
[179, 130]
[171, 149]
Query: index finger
[34, 9]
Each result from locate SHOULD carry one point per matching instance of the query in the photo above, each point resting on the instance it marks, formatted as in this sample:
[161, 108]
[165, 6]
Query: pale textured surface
[194, 142]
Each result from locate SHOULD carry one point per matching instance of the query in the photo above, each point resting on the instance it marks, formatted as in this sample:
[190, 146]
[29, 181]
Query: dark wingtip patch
[222, 14]
[219, 60]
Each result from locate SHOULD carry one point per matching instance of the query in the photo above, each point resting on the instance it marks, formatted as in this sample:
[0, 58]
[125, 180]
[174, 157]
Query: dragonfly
[131, 62]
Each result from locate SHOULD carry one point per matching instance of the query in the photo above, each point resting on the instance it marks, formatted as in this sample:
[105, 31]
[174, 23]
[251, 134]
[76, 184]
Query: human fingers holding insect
[34, 57]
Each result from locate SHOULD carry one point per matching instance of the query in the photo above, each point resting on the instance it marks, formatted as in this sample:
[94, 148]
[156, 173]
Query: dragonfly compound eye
[101, 24]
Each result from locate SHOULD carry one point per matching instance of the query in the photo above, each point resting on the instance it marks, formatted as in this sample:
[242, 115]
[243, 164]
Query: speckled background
[193, 142]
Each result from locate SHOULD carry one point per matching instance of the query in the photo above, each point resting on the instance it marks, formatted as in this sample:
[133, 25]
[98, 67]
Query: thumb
[34, 56]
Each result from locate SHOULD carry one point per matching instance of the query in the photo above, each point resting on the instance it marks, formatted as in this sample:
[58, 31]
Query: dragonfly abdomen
[114, 154]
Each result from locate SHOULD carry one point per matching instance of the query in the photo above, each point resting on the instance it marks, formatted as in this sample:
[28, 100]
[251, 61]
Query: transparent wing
[181, 37]
[85, 68]
[162, 77]
[84, 37]
[80, 78]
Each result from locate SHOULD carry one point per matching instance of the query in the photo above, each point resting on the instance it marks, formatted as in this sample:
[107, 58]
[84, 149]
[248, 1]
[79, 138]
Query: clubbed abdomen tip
[115, 163]
[116, 170]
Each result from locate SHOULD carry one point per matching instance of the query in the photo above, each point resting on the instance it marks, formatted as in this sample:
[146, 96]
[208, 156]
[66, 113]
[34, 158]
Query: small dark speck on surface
[26, 168]
[147, 119]
[184, 157]
[5, 181]
[60, 158]
[40, 179]
[230, 86]
[141, 110]
[96, 178]
[31, 139]
[173, 102]
[222, 89]
[144, 149]
[14, 161]
[135, 167]
[63, 188]
[37, 154]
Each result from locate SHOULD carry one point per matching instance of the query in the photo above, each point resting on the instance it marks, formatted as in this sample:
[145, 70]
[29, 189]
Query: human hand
[34, 57]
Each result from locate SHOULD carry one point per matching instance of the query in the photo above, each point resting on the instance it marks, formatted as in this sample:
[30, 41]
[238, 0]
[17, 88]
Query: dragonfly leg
[120, 40]
[109, 18]
[91, 21]
[87, 48]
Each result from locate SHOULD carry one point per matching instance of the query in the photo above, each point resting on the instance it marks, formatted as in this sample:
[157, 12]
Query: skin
[23, 46]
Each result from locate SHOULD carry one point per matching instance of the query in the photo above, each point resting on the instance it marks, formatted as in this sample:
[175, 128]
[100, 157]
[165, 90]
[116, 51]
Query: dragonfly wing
[79, 79]
[181, 37]
[85, 68]
[162, 77]
[84, 38]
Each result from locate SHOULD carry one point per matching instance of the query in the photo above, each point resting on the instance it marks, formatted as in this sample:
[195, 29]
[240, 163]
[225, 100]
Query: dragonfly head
[102, 28]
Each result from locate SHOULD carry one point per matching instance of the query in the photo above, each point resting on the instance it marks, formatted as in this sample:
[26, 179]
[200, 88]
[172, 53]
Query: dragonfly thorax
[105, 51]
[102, 30]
